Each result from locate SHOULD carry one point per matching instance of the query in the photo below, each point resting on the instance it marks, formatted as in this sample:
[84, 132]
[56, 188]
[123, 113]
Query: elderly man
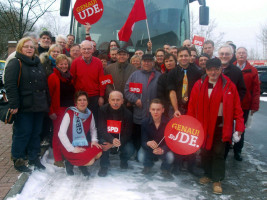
[215, 103]
[208, 48]
[115, 130]
[45, 41]
[62, 41]
[187, 43]
[86, 71]
[120, 71]
[148, 77]
[225, 53]
[251, 101]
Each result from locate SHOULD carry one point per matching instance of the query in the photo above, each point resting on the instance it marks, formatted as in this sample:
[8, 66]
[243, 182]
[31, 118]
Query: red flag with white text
[114, 126]
[137, 13]
[106, 79]
[136, 88]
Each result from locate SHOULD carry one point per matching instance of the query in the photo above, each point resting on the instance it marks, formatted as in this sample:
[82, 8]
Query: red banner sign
[136, 87]
[88, 11]
[198, 40]
[184, 135]
[114, 126]
[105, 80]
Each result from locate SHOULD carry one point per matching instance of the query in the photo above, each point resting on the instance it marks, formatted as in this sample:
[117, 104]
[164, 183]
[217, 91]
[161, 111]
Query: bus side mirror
[64, 7]
[204, 15]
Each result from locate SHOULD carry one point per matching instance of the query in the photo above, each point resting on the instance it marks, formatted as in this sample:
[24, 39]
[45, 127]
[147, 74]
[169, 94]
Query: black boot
[84, 170]
[69, 168]
[103, 172]
[19, 165]
[37, 164]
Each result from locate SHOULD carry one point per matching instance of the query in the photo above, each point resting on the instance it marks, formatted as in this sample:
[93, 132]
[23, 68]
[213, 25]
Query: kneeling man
[152, 140]
[115, 130]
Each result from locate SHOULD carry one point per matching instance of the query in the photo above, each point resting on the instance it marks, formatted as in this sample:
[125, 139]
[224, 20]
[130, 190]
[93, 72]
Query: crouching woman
[76, 124]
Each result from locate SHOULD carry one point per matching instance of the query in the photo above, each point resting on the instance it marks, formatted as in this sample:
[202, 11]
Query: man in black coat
[115, 130]
[226, 53]
[176, 81]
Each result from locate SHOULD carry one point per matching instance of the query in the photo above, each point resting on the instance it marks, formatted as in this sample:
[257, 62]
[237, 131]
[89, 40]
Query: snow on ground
[263, 98]
[131, 184]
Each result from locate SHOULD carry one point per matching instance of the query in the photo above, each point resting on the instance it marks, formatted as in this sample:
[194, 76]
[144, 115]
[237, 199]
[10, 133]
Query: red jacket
[231, 109]
[86, 77]
[54, 91]
[251, 101]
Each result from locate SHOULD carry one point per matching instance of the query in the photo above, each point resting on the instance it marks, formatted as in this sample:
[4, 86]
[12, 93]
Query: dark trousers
[93, 106]
[126, 152]
[136, 136]
[26, 135]
[179, 160]
[47, 129]
[213, 160]
[239, 145]
[149, 157]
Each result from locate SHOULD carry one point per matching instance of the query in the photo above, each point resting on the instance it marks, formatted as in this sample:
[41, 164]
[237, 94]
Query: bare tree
[253, 54]
[208, 32]
[54, 23]
[262, 37]
[20, 16]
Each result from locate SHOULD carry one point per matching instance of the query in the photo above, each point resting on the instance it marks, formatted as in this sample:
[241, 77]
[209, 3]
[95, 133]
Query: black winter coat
[122, 114]
[32, 94]
[236, 76]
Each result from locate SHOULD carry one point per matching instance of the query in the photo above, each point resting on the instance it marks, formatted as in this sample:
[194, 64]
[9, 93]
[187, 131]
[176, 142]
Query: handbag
[5, 114]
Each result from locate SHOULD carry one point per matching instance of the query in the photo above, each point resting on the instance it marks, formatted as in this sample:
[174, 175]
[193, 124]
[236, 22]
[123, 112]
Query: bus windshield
[168, 23]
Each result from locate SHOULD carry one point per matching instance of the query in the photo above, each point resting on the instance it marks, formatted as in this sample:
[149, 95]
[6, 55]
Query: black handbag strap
[20, 67]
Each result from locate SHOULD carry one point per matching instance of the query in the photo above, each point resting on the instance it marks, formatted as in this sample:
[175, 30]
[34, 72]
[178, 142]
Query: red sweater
[251, 101]
[86, 77]
[231, 109]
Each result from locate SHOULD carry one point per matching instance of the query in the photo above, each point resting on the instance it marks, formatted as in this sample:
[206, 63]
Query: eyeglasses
[224, 54]
[28, 47]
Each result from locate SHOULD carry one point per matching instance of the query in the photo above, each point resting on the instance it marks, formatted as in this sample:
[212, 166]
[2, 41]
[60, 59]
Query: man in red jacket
[86, 71]
[251, 101]
[214, 101]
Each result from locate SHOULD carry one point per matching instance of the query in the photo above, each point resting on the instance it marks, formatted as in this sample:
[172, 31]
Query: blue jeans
[26, 135]
[126, 152]
[147, 157]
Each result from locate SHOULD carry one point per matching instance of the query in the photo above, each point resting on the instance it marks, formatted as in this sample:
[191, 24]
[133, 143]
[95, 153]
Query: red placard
[184, 135]
[198, 40]
[114, 126]
[136, 87]
[88, 11]
[105, 80]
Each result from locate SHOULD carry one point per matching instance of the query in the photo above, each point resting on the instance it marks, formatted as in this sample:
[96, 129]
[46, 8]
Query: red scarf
[61, 78]
[208, 108]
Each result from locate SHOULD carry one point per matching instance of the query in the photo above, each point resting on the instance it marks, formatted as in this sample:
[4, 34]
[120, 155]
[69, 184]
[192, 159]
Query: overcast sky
[241, 20]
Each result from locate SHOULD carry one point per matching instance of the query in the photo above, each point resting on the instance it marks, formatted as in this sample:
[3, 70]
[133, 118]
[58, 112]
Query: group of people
[60, 88]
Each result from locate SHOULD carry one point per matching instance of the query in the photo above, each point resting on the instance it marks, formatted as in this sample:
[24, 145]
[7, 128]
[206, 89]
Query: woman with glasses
[29, 102]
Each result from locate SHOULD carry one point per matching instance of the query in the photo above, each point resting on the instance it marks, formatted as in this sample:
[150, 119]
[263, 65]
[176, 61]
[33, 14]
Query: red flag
[137, 13]
[114, 126]
[105, 80]
[198, 40]
[136, 88]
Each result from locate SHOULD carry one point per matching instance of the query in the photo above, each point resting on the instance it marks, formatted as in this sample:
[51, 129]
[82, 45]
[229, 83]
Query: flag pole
[147, 30]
